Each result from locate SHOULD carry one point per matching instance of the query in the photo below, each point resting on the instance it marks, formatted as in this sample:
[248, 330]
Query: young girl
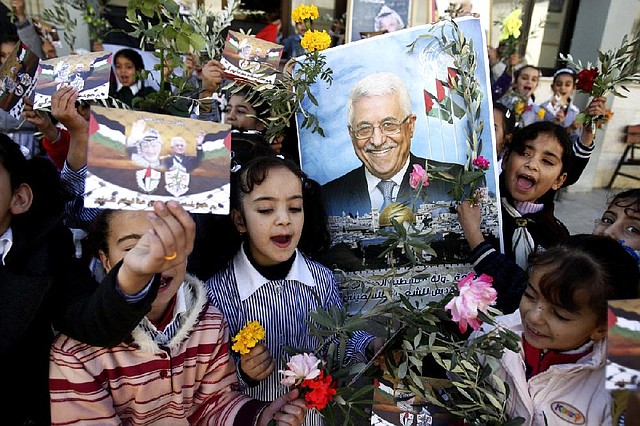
[521, 99]
[182, 341]
[269, 280]
[129, 85]
[621, 220]
[560, 107]
[557, 377]
[44, 287]
[537, 162]
[561, 110]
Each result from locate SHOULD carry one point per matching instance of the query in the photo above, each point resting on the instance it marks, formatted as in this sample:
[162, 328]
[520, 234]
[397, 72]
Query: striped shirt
[281, 307]
[185, 381]
[76, 214]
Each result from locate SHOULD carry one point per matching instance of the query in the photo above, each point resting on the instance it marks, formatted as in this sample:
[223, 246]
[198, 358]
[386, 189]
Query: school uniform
[281, 306]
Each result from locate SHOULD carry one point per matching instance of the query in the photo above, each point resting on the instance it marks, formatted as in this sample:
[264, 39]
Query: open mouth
[281, 240]
[525, 183]
[165, 282]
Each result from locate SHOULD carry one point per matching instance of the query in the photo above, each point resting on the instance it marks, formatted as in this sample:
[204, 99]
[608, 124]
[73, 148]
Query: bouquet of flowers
[308, 373]
[618, 67]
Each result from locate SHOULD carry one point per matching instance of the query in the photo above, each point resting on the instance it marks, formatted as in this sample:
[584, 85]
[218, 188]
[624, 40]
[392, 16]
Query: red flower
[319, 391]
[586, 78]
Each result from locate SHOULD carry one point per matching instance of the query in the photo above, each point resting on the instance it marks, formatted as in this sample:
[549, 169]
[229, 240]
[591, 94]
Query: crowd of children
[150, 343]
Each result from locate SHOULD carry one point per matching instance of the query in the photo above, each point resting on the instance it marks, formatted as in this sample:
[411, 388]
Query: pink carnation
[476, 294]
[481, 163]
[300, 367]
[418, 177]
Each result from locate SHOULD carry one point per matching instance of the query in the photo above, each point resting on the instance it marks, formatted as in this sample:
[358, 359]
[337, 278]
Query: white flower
[301, 367]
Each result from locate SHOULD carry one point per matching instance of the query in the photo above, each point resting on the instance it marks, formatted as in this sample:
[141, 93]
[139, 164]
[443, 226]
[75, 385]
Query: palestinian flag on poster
[440, 99]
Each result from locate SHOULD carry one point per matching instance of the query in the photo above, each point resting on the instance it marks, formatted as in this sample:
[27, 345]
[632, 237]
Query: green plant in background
[618, 68]
[159, 23]
[93, 12]
[291, 87]
[59, 14]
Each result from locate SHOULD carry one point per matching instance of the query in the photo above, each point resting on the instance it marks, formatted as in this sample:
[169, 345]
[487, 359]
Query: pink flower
[476, 294]
[481, 163]
[418, 177]
[300, 367]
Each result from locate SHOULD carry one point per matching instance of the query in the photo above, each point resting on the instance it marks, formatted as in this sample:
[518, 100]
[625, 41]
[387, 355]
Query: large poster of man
[136, 158]
[389, 110]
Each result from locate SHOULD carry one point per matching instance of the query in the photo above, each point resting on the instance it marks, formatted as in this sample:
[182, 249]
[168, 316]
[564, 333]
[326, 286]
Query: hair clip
[507, 113]
[280, 156]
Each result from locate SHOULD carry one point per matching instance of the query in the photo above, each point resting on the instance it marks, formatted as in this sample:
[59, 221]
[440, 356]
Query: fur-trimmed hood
[196, 301]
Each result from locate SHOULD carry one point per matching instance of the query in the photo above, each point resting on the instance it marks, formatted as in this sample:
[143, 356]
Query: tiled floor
[579, 210]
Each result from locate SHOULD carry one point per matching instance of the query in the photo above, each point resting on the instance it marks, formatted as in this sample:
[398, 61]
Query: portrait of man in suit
[381, 125]
[179, 160]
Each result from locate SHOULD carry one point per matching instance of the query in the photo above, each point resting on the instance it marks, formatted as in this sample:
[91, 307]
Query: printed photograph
[250, 59]
[88, 74]
[374, 17]
[136, 158]
[400, 130]
[17, 79]
[623, 351]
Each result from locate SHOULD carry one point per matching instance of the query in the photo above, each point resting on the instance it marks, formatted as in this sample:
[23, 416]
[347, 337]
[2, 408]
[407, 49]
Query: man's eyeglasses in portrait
[390, 127]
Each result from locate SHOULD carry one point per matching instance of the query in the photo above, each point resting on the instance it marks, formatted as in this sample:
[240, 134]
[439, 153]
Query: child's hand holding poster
[250, 59]
[136, 158]
[89, 74]
[17, 79]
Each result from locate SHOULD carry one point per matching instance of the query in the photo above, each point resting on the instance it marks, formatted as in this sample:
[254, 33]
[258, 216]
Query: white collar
[181, 302]
[6, 241]
[249, 280]
[135, 88]
[373, 181]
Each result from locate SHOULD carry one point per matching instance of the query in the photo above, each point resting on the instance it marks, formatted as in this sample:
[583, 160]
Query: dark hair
[509, 117]
[629, 199]
[131, 55]
[98, 238]
[315, 237]
[12, 159]
[532, 131]
[565, 71]
[9, 39]
[258, 103]
[585, 265]
[38, 173]
[517, 72]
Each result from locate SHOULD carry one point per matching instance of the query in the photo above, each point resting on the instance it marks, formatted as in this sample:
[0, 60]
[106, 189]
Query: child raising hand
[182, 340]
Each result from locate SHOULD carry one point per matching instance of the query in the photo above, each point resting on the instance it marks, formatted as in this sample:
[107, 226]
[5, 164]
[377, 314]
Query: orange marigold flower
[315, 40]
[248, 337]
[304, 12]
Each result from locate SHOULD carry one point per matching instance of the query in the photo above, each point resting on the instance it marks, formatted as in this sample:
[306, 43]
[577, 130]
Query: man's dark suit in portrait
[179, 160]
[381, 126]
